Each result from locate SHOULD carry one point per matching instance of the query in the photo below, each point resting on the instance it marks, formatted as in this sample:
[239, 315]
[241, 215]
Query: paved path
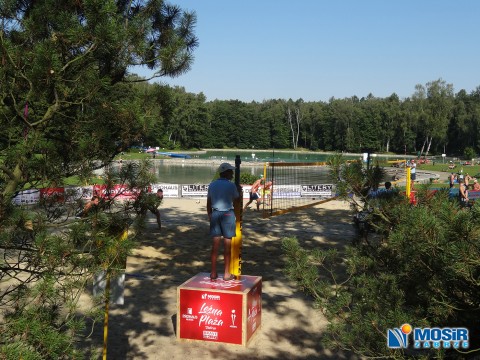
[423, 176]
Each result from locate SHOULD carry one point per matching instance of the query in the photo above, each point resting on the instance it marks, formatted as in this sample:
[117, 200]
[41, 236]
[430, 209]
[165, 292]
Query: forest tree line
[433, 120]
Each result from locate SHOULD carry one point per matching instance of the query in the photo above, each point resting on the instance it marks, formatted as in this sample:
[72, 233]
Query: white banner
[317, 190]
[185, 190]
[286, 191]
[194, 190]
[74, 193]
[246, 191]
[27, 197]
[169, 190]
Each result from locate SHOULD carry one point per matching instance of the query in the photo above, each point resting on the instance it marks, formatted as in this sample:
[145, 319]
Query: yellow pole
[263, 189]
[105, 322]
[408, 183]
[236, 251]
[236, 248]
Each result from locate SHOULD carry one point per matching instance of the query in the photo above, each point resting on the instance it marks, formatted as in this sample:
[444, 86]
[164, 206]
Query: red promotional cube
[219, 311]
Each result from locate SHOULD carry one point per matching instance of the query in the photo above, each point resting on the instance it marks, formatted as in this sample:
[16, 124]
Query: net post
[236, 248]
[408, 183]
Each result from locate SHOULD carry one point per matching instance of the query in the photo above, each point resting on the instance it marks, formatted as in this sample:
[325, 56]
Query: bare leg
[213, 256]
[246, 205]
[227, 253]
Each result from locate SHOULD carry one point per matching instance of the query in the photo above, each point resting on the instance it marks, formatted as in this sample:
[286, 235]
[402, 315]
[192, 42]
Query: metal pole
[236, 249]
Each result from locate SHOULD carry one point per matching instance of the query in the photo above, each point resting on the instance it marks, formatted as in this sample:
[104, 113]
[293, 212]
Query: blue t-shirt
[222, 192]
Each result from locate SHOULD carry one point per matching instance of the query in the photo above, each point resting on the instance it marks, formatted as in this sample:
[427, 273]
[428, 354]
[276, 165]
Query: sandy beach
[144, 327]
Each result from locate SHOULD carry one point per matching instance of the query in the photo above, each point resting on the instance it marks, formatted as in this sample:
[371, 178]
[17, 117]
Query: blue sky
[317, 49]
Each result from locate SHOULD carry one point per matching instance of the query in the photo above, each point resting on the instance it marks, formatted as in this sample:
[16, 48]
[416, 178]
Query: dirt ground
[145, 326]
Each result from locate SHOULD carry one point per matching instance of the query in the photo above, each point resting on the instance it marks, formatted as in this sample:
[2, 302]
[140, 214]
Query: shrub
[421, 266]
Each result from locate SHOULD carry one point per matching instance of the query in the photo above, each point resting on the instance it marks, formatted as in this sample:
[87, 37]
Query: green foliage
[50, 335]
[469, 153]
[67, 107]
[247, 178]
[354, 177]
[58, 265]
[420, 266]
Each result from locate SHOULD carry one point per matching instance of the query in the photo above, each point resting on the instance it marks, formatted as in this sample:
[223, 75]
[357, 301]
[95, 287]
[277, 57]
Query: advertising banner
[211, 316]
[286, 191]
[52, 194]
[118, 191]
[191, 190]
[27, 197]
[169, 190]
[254, 309]
[202, 190]
[75, 193]
[246, 191]
[219, 311]
[317, 190]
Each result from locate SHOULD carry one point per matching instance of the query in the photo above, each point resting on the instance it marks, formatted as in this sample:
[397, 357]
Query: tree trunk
[290, 121]
[14, 178]
[423, 146]
[298, 118]
[428, 147]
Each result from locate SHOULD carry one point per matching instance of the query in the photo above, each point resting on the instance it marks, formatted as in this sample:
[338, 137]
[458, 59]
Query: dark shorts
[152, 209]
[223, 223]
[254, 196]
[413, 176]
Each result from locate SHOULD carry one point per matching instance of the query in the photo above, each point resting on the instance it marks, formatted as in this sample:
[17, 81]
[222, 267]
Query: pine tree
[66, 110]
[420, 265]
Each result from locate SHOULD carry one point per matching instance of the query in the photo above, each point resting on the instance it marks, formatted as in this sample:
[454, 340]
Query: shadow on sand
[145, 327]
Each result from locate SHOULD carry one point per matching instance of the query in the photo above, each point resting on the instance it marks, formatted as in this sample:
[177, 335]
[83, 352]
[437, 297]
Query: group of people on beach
[465, 183]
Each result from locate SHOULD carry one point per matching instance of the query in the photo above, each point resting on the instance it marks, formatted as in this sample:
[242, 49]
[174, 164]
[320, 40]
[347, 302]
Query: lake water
[194, 171]
[189, 171]
[263, 156]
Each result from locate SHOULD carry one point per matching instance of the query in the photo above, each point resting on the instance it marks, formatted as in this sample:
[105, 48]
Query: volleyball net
[293, 186]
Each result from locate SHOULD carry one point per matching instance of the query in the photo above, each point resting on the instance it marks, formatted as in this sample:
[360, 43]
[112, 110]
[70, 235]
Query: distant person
[150, 202]
[476, 185]
[267, 192]
[389, 192]
[254, 194]
[451, 180]
[153, 205]
[463, 193]
[413, 170]
[90, 206]
[221, 194]
[373, 191]
[468, 178]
